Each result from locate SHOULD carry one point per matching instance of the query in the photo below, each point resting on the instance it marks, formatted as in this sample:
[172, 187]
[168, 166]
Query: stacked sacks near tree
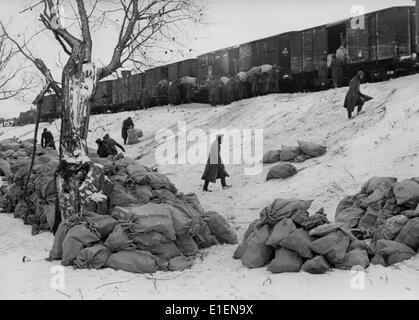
[379, 225]
[132, 218]
[35, 205]
[151, 226]
[305, 151]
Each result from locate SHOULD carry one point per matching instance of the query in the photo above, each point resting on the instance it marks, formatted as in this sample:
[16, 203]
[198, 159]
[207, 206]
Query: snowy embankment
[382, 141]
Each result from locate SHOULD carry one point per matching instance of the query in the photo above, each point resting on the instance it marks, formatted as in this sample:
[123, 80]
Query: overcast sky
[231, 22]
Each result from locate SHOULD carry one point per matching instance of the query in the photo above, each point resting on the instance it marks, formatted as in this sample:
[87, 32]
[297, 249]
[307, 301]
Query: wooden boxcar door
[320, 45]
[245, 57]
[284, 54]
[308, 51]
[233, 61]
[296, 53]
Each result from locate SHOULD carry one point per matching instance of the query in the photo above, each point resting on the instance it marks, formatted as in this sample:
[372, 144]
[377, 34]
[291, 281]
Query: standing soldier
[256, 85]
[215, 168]
[126, 125]
[354, 97]
[323, 72]
[174, 93]
[241, 88]
[221, 90]
[272, 82]
[213, 92]
[229, 91]
[337, 71]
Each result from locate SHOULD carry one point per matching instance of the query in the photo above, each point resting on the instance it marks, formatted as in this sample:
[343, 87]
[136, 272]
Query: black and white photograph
[209, 150]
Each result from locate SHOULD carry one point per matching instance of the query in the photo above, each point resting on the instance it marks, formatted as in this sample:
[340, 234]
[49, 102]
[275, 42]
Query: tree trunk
[79, 86]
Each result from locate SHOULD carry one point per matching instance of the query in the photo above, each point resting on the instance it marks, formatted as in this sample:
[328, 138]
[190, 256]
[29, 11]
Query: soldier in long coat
[215, 168]
[256, 85]
[242, 91]
[126, 125]
[229, 91]
[174, 93]
[213, 92]
[272, 82]
[323, 72]
[337, 71]
[354, 97]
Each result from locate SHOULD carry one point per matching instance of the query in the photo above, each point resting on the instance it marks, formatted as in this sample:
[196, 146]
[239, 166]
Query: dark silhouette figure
[354, 97]
[103, 149]
[126, 125]
[112, 144]
[47, 139]
[214, 168]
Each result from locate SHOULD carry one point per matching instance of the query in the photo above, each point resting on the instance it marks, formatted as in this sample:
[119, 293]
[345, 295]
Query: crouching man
[354, 97]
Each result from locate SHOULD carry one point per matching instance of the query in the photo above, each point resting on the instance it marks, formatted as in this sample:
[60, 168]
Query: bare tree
[11, 70]
[138, 23]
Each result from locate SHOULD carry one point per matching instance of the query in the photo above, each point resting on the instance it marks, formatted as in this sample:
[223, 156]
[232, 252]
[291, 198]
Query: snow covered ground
[381, 141]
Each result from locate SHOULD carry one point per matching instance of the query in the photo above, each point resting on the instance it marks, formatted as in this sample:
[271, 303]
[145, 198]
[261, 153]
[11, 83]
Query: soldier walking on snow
[354, 97]
[214, 168]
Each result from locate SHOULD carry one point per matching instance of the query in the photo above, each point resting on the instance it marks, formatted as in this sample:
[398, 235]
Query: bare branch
[39, 64]
[85, 29]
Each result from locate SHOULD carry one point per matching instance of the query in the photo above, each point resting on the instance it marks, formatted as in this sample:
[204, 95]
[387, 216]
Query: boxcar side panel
[393, 31]
[233, 61]
[296, 53]
[284, 53]
[258, 53]
[173, 71]
[221, 63]
[272, 53]
[308, 51]
[245, 62]
[320, 44]
[371, 24]
[351, 42]
[402, 39]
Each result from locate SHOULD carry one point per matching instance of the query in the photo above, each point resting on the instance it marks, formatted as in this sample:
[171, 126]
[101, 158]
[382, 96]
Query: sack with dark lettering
[153, 217]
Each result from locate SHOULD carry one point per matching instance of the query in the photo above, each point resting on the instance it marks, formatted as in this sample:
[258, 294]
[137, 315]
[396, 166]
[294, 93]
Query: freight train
[383, 43]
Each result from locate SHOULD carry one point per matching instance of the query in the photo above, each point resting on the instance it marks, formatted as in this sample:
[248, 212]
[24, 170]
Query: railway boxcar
[245, 57]
[103, 97]
[205, 62]
[50, 108]
[373, 40]
[387, 34]
[273, 50]
[183, 68]
[224, 62]
[154, 75]
[135, 85]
